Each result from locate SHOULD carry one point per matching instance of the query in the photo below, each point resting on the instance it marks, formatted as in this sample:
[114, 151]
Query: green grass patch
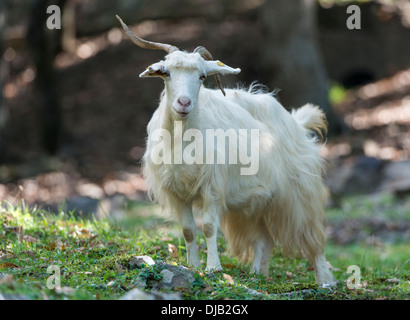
[93, 258]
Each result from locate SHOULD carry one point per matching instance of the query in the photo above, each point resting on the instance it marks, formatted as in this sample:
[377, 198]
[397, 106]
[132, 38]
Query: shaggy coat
[283, 202]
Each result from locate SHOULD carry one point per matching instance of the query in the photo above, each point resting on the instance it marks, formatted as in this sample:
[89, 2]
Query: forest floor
[93, 258]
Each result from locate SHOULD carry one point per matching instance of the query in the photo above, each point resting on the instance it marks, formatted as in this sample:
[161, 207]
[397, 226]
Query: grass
[93, 258]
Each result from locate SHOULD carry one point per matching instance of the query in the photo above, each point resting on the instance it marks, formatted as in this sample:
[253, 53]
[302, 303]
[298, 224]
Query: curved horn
[204, 53]
[207, 56]
[144, 43]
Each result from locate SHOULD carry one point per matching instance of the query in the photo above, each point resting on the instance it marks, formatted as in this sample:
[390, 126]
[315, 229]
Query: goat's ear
[213, 67]
[154, 70]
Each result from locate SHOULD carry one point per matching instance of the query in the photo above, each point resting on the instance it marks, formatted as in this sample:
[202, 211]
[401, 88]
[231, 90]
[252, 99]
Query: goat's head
[182, 72]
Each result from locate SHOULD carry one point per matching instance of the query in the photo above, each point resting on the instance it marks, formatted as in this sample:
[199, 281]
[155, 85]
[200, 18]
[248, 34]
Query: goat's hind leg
[187, 221]
[262, 252]
[322, 272]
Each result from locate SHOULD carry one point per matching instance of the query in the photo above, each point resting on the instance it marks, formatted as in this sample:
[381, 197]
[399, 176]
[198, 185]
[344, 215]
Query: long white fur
[282, 203]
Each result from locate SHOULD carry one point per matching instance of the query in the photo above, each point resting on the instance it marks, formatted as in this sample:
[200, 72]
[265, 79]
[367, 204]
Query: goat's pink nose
[184, 101]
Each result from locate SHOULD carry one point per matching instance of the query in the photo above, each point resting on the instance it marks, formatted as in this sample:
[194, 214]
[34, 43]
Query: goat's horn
[207, 56]
[204, 53]
[144, 43]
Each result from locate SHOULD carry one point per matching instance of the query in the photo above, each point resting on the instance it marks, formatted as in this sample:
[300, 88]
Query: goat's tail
[311, 118]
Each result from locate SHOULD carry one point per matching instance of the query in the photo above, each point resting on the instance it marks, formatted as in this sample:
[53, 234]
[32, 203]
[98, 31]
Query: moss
[94, 259]
[290, 287]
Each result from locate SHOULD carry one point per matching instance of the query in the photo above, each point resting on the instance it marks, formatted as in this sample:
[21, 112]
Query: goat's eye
[202, 77]
[166, 74]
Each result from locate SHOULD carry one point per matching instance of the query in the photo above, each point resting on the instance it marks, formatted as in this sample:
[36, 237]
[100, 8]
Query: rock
[337, 176]
[140, 282]
[363, 176]
[81, 205]
[369, 175]
[138, 294]
[6, 296]
[65, 291]
[88, 207]
[174, 277]
[140, 261]
[396, 177]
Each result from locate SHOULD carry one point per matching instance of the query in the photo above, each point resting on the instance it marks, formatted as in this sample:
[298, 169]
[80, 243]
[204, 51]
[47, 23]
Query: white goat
[283, 201]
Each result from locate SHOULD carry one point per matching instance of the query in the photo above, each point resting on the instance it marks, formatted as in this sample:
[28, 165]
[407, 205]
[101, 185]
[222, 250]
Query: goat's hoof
[194, 265]
[214, 269]
[331, 283]
[210, 275]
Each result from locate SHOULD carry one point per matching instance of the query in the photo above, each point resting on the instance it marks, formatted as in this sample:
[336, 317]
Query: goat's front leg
[210, 229]
[189, 230]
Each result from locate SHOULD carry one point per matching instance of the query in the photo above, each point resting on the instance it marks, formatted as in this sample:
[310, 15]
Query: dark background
[73, 111]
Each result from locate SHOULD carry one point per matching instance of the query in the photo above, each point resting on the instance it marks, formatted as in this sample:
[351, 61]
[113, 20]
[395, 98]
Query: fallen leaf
[29, 239]
[155, 249]
[6, 279]
[88, 241]
[289, 275]
[16, 230]
[208, 288]
[85, 231]
[173, 250]
[65, 290]
[120, 268]
[6, 265]
[51, 246]
[228, 278]
[29, 253]
[6, 255]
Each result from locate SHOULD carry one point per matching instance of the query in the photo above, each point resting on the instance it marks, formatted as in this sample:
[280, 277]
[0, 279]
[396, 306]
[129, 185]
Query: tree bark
[44, 45]
[292, 56]
[4, 116]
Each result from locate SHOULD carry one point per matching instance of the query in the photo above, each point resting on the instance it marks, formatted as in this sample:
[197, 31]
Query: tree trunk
[45, 44]
[292, 56]
[4, 116]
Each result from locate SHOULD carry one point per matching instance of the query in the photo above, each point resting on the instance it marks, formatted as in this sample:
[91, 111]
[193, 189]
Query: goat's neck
[169, 118]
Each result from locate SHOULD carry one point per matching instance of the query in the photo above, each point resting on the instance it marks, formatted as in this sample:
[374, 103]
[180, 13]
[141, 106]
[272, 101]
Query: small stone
[138, 294]
[174, 277]
[140, 261]
[6, 296]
